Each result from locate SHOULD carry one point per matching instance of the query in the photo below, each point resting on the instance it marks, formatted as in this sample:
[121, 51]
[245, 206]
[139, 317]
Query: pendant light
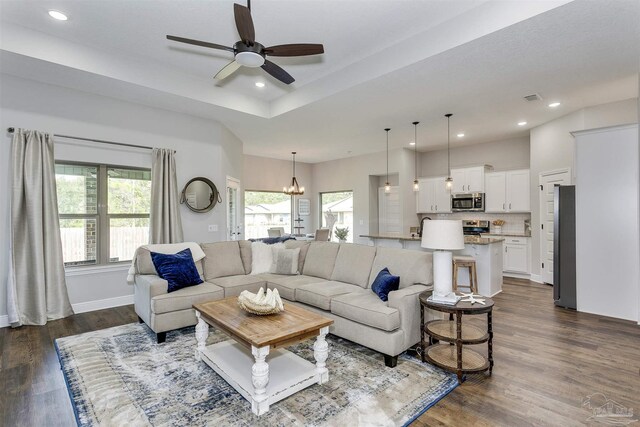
[449, 181]
[294, 189]
[416, 185]
[387, 186]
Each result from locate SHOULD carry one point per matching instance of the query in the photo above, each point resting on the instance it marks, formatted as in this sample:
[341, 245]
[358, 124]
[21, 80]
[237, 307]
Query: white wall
[266, 174]
[502, 155]
[352, 173]
[553, 147]
[607, 239]
[204, 148]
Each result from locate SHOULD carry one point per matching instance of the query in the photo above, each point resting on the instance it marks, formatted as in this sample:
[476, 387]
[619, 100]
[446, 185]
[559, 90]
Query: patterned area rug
[120, 376]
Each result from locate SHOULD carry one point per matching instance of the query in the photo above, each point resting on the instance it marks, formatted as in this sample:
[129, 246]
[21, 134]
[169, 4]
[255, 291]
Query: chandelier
[294, 189]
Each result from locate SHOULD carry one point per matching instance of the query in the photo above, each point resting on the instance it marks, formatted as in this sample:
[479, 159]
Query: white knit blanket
[166, 248]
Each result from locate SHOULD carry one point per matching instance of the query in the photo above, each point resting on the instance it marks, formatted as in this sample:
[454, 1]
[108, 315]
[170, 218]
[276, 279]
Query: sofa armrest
[406, 301]
[146, 287]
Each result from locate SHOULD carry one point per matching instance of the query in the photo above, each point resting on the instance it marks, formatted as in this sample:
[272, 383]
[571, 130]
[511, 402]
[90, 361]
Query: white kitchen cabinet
[507, 191]
[433, 196]
[516, 255]
[468, 180]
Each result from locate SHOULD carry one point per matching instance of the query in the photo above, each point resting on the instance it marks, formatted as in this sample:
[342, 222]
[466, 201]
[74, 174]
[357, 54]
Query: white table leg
[260, 379]
[320, 353]
[202, 333]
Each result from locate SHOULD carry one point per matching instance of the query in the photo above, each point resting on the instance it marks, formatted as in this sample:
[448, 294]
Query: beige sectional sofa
[335, 280]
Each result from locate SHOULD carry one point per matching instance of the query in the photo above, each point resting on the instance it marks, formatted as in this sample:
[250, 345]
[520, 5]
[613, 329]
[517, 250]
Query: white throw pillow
[262, 256]
[285, 261]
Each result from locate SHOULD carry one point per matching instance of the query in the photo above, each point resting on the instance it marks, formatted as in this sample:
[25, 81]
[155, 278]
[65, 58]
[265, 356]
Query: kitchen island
[486, 250]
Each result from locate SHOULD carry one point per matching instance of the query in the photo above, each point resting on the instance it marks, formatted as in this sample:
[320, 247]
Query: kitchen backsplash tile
[514, 222]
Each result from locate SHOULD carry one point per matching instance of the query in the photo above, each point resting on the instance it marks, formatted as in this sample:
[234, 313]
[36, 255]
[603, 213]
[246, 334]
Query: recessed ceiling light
[412, 143]
[58, 15]
[522, 123]
[259, 84]
[460, 135]
[554, 104]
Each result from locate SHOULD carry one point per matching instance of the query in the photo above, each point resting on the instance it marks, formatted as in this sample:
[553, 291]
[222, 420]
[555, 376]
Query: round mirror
[200, 195]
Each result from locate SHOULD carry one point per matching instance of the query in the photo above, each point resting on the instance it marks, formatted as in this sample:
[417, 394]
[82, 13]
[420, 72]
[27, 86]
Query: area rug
[121, 376]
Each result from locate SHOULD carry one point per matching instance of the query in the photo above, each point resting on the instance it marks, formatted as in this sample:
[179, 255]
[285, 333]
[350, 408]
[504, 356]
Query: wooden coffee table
[242, 360]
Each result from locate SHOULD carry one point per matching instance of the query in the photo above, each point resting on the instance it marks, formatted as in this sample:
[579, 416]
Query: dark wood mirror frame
[214, 197]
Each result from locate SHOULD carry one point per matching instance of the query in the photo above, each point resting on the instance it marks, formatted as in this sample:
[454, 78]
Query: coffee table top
[275, 330]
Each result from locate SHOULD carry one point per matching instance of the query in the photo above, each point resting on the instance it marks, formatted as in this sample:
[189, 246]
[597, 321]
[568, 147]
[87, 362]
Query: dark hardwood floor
[547, 360]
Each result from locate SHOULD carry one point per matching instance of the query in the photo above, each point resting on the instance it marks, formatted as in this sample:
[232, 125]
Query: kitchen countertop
[507, 234]
[469, 240]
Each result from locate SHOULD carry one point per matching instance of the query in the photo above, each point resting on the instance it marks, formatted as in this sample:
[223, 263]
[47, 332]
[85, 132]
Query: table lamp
[443, 236]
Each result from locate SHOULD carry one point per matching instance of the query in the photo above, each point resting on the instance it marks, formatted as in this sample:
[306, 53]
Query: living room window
[337, 212]
[104, 212]
[264, 210]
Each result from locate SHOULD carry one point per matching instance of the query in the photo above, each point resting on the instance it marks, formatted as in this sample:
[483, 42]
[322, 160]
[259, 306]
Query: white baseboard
[517, 275]
[536, 278]
[4, 321]
[83, 307]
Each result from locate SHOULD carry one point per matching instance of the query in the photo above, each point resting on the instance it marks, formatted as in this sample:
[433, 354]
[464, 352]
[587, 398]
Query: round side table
[452, 355]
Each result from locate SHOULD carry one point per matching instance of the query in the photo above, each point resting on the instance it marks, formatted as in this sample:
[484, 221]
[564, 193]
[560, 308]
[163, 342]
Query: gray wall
[204, 148]
[553, 147]
[502, 155]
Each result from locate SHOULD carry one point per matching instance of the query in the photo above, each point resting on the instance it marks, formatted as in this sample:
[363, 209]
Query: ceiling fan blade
[199, 43]
[228, 69]
[277, 72]
[244, 23]
[298, 49]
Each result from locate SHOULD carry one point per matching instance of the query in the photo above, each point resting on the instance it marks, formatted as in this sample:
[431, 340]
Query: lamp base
[442, 273]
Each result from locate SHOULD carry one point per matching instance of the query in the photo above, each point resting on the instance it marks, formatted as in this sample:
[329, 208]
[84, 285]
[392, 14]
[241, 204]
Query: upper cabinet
[469, 180]
[433, 196]
[507, 191]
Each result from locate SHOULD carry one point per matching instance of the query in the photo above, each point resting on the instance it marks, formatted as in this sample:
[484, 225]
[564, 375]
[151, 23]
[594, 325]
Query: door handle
[509, 205]
[506, 249]
[503, 207]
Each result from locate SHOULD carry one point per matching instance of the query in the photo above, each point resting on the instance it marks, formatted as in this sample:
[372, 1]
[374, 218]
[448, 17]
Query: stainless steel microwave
[467, 202]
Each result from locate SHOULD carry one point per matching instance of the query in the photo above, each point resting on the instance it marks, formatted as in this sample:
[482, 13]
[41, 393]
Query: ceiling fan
[249, 53]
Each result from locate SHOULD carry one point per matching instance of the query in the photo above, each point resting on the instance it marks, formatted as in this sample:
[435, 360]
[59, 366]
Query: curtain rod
[122, 144]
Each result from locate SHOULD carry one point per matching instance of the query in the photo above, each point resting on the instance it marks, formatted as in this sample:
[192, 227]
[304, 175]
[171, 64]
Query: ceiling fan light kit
[249, 53]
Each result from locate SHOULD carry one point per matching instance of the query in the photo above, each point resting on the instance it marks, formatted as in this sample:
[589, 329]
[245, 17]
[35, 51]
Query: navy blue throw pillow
[385, 282]
[177, 269]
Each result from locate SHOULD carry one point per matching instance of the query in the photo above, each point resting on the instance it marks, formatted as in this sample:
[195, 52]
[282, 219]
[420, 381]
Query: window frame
[102, 215]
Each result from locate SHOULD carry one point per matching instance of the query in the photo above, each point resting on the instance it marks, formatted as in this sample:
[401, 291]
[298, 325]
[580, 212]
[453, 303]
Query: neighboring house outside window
[104, 212]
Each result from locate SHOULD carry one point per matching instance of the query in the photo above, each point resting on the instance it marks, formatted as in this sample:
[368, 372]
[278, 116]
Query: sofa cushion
[287, 285]
[222, 259]
[320, 294]
[185, 298]
[320, 259]
[144, 264]
[304, 247]
[353, 264]
[245, 255]
[233, 285]
[366, 308]
[412, 266]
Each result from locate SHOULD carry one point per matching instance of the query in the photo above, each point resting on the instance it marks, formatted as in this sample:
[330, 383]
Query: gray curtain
[166, 226]
[37, 289]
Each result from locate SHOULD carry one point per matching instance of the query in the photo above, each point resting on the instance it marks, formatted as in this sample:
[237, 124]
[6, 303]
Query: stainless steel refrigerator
[564, 246]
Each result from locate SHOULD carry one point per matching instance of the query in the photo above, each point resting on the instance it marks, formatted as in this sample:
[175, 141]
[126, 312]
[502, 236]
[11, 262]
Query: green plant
[341, 233]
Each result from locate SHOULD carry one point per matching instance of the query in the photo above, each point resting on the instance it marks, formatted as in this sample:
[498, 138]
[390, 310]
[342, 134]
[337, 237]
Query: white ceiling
[387, 63]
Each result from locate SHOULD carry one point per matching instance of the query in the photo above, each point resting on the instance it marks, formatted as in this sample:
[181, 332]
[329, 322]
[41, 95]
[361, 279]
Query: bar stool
[469, 262]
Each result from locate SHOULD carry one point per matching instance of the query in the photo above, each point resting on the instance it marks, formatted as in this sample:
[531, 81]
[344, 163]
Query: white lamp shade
[443, 234]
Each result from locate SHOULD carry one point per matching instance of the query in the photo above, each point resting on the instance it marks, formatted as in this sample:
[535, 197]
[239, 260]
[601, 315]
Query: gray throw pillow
[285, 261]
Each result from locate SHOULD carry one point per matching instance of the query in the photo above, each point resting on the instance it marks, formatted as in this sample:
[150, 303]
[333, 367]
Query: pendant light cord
[387, 130]
[448, 144]
[415, 148]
